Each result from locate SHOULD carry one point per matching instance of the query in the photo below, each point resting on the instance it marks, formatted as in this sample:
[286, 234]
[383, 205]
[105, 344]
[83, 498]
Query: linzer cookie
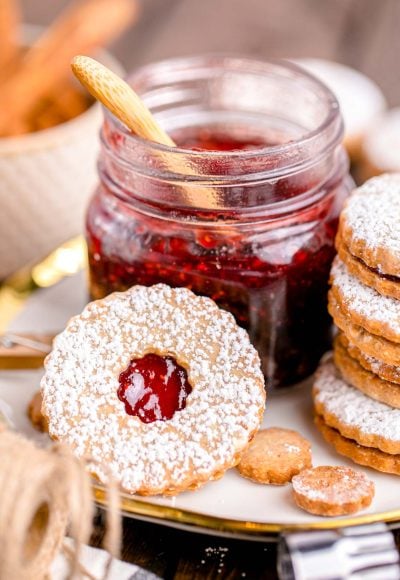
[384, 284]
[364, 306]
[353, 414]
[275, 455]
[364, 380]
[159, 385]
[366, 456]
[332, 491]
[369, 230]
[370, 344]
[384, 371]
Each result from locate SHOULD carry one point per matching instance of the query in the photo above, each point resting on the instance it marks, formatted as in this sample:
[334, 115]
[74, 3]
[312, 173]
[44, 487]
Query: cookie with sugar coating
[106, 408]
[364, 306]
[332, 491]
[369, 344]
[354, 414]
[364, 380]
[366, 456]
[275, 455]
[369, 225]
[383, 370]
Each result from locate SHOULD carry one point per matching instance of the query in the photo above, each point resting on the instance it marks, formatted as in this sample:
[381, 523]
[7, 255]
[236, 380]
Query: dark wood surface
[361, 33]
[176, 555]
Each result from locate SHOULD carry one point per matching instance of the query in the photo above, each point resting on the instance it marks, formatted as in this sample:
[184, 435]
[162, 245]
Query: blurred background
[49, 125]
[361, 33]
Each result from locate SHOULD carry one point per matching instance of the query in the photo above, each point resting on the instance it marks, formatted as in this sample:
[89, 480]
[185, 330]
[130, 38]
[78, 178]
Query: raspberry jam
[153, 388]
[262, 248]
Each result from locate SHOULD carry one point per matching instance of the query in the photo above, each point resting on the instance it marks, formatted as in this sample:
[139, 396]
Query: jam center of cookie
[153, 388]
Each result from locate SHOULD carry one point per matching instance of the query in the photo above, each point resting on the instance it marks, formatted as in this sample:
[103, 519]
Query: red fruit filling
[153, 388]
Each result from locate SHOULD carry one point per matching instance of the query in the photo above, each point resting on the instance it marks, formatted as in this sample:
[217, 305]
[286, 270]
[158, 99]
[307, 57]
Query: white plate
[231, 505]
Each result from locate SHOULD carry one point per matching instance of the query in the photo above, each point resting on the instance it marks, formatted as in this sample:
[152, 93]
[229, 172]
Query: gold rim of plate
[168, 514]
[70, 258]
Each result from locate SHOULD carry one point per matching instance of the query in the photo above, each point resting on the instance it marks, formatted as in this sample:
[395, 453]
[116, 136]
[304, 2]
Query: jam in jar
[244, 210]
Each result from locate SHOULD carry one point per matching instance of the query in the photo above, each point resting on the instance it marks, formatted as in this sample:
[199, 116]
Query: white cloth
[94, 561]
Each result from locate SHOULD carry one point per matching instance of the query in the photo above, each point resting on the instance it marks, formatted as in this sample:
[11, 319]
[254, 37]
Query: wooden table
[177, 555]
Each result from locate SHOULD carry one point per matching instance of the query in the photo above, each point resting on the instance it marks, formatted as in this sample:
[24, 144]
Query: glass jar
[245, 210]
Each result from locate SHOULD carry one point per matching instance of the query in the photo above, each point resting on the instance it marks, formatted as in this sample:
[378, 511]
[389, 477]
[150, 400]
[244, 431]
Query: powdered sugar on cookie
[349, 407]
[222, 412]
[330, 491]
[372, 213]
[365, 305]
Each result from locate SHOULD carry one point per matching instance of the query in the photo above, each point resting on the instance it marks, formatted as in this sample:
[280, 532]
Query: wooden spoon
[119, 98]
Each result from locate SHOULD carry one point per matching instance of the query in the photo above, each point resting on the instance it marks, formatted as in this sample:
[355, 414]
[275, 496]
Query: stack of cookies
[357, 394]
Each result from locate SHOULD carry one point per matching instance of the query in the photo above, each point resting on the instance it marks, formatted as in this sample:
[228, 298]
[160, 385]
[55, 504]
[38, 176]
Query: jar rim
[232, 62]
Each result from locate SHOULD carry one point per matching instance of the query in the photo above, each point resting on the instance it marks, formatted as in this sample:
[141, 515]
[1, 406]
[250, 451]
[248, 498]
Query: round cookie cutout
[202, 440]
[353, 414]
[369, 224]
[332, 491]
[275, 455]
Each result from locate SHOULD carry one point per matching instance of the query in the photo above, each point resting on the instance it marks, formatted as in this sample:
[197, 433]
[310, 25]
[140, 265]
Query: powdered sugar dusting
[352, 408]
[364, 301]
[373, 213]
[332, 485]
[81, 382]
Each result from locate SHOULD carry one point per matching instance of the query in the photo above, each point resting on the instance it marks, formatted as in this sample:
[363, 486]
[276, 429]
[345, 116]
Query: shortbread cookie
[384, 284]
[159, 386]
[379, 315]
[370, 344]
[386, 372]
[353, 414]
[275, 455]
[35, 413]
[369, 224]
[361, 100]
[366, 456]
[367, 382]
[332, 491]
[381, 146]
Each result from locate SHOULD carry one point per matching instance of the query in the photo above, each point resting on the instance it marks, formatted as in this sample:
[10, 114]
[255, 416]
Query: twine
[42, 494]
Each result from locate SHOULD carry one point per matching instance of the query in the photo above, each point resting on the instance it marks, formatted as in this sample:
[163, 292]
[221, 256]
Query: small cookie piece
[352, 413]
[366, 456]
[275, 455]
[35, 413]
[364, 380]
[364, 306]
[384, 284]
[386, 372]
[332, 491]
[369, 224]
[369, 344]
